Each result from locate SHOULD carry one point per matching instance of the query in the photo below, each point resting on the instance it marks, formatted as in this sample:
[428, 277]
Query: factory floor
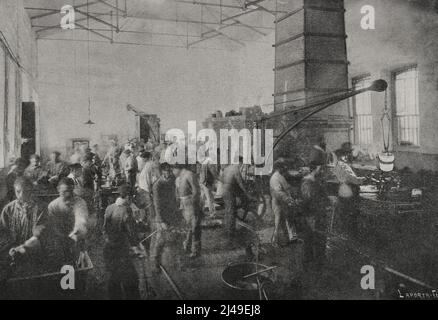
[201, 278]
[407, 245]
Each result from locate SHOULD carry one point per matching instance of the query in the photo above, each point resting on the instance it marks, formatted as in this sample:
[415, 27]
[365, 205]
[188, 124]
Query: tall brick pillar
[310, 63]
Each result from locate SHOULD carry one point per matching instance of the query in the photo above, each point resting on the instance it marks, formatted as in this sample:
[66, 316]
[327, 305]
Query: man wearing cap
[56, 168]
[120, 241]
[318, 155]
[35, 171]
[233, 186]
[282, 203]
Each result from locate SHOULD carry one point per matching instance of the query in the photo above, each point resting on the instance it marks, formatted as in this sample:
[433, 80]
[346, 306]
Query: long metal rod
[378, 85]
[409, 278]
[383, 265]
[203, 39]
[208, 4]
[197, 36]
[111, 25]
[94, 32]
[241, 14]
[56, 26]
[55, 11]
[172, 283]
[219, 28]
[267, 10]
[236, 21]
[251, 3]
[226, 36]
[313, 105]
[112, 30]
[116, 7]
[148, 236]
[117, 17]
[218, 33]
[133, 44]
[259, 272]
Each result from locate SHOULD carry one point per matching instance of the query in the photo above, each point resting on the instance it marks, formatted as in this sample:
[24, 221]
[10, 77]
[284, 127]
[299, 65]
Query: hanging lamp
[89, 122]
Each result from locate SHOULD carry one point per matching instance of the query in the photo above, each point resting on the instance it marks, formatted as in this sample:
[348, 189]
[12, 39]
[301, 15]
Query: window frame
[395, 115]
[354, 81]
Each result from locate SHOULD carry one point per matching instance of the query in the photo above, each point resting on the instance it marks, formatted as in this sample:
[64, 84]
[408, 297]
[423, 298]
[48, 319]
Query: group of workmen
[173, 200]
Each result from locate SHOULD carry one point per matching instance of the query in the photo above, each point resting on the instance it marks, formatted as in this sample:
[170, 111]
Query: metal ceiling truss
[118, 11]
[56, 26]
[216, 31]
[94, 32]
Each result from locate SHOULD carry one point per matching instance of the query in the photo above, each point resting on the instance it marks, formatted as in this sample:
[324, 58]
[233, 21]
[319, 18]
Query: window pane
[407, 108]
[400, 97]
[364, 119]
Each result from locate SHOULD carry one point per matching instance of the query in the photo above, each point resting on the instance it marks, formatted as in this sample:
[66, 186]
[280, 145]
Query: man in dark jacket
[120, 238]
[168, 222]
[314, 224]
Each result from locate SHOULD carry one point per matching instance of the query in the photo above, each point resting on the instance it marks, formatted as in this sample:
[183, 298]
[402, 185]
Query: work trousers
[208, 198]
[315, 239]
[165, 248]
[231, 206]
[123, 277]
[348, 209]
[145, 202]
[284, 221]
[230, 211]
[192, 216]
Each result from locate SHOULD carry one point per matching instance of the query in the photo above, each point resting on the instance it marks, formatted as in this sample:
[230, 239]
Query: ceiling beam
[236, 22]
[217, 33]
[196, 36]
[208, 4]
[240, 14]
[218, 28]
[94, 32]
[91, 16]
[268, 11]
[45, 28]
[55, 11]
[251, 3]
[115, 7]
[178, 20]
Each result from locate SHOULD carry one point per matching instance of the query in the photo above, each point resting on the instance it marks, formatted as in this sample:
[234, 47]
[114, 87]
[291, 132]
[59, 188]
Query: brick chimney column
[311, 61]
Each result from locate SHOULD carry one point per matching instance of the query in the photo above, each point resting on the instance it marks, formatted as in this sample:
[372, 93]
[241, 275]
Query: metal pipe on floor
[259, 272]
[172, 283]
